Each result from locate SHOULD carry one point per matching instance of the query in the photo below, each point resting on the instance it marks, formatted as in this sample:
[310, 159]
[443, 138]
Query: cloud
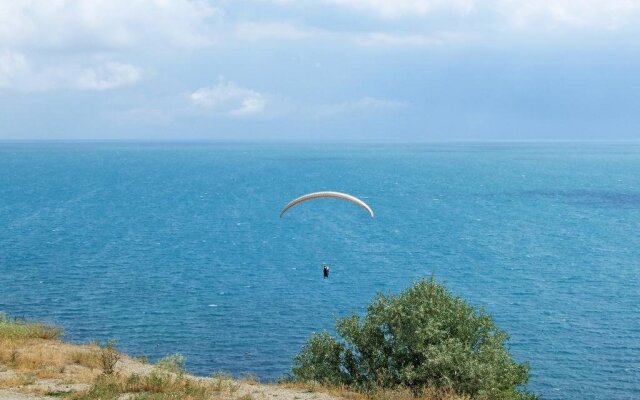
[18, 73]
[257, 31]
[491, 14]
[229, 99]
[13, 67]
[46, 45]
[364, 105]
[109, 76]
[274, 30]
[610, 14]
[70, 25]
[384, 39]
[403, 8]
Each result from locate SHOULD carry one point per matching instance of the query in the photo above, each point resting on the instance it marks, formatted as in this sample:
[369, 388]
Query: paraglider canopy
[335, 195]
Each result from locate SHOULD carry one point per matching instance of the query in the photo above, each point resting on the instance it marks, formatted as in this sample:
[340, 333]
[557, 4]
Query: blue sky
[321, 70]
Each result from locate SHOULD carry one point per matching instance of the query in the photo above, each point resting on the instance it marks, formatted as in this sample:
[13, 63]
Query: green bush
[423, 338]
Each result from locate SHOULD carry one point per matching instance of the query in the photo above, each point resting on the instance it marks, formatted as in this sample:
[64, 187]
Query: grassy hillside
[35, 362]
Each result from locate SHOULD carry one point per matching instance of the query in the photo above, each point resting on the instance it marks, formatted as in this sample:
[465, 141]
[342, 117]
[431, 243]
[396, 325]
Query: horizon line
[299, 142]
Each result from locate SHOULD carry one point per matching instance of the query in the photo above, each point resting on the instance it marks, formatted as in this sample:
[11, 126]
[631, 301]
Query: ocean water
[179, 248]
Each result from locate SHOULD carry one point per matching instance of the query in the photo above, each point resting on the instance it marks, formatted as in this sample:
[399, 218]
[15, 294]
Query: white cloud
[72, 25]
[607, 14]
[228, 98]
[491, 14]
[109, 76]
[17, 73]
[384, 39]
[273, 30]
[13, 67]
[53, 44]
[364, 105]
[401, 8]
[256, 31]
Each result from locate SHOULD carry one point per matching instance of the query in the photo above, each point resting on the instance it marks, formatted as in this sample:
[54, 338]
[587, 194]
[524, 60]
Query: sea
[179, 248]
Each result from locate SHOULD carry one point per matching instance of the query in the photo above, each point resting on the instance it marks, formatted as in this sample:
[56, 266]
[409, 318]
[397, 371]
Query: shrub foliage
[109, 357]
[423, 338]
[172, 363]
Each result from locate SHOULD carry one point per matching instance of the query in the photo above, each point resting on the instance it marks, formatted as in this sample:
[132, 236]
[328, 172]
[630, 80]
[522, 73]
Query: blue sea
[179, 247]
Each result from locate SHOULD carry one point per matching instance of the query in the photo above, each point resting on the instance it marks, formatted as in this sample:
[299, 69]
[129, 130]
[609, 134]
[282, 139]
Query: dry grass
[49, 373]
[32, 359]
[222, 383]
[157, 386]
[109, 357]
[23, 345]
[18, 329]
[50, 359]
[172, 363]
[347, 393]
[315, 387]
[249, 379]
[37, 362]
[87, 356]
[16, 380]
[426, 394]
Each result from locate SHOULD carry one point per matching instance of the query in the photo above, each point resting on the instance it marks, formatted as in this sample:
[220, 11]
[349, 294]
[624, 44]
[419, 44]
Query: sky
[320, 70]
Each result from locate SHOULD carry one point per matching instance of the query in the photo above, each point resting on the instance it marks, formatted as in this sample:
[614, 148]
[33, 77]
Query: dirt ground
[51, 369]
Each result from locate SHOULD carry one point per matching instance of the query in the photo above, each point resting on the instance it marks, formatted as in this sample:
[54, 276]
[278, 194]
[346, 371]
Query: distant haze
[324, 70]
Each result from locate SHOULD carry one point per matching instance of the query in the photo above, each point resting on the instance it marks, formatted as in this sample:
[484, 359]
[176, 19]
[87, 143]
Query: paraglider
[319, 195]
[335, 195]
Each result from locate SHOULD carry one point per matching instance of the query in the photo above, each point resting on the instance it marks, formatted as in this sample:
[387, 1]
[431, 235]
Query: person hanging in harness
[325, 271]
